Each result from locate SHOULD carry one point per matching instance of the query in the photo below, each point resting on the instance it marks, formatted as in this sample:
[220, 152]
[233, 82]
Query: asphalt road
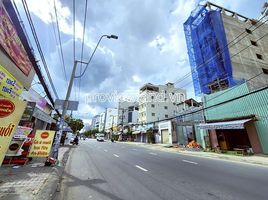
[118, 171]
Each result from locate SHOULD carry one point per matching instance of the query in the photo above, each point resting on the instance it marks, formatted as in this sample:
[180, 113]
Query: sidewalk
[255, 159]
[31, 181]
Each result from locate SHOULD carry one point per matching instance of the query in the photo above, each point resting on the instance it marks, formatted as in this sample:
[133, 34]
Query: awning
[237, 124]
[136, 132]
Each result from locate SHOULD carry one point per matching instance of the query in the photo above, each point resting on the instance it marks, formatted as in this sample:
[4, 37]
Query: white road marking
[187, 161]
[116, 155]
[134, 149]
[153, 153]
[141, 168]
[105, 150]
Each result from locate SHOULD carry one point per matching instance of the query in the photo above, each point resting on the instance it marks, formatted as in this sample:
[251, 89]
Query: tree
[76, 124]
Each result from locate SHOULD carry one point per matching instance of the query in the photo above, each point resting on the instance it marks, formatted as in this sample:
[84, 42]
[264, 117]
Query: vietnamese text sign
[42, 143]
[9, 86]
[11, 43]
[10, 114]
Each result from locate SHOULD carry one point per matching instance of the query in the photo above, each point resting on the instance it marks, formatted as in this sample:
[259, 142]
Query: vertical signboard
[9, 86]
[10, 114]
[11, 42]
[41, 146]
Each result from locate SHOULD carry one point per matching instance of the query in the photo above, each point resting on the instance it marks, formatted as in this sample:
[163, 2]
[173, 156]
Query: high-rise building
[157, 102]
[225, 49]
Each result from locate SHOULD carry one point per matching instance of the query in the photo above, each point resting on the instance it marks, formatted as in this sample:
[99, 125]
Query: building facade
[157, 102]
[225, 49]
[95, 122]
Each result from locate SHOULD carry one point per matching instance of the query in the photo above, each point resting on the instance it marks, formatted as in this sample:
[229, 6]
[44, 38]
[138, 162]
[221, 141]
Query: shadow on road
[90, 183]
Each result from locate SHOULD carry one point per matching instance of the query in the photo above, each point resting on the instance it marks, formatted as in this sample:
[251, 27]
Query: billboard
[11, 43]
[42, 143]
[9, 86]
[10, 114]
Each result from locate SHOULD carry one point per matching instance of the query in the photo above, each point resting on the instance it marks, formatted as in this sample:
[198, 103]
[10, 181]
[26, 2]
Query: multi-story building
[157, 102]
[95, 122]
[228, 51]
[111, 119]
[102, 121]
[225, 49]
[128, 112]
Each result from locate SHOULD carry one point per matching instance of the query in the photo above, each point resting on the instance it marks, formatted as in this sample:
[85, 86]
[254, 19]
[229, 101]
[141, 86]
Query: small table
[240, 151]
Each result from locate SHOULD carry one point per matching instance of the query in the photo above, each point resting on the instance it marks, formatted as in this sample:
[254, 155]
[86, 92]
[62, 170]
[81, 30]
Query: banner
[10, 114]
[11, 43]
[9, 86]
[41, 146]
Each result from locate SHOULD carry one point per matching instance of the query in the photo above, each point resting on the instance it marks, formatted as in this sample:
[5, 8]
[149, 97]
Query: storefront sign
[42, 143]
[39, 114]
[10, 114]
[11, 43]
[9, 86]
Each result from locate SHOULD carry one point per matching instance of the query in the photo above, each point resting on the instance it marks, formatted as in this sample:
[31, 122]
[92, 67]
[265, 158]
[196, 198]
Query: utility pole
[105, 115]
[56, 144]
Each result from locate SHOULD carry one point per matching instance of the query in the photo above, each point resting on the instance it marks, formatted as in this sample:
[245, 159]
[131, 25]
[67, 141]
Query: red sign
[44, 135]
[11, 43]
[7, 107]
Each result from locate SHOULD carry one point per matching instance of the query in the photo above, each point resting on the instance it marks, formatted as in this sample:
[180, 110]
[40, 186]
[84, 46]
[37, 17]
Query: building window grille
[259, 56]
[248, 31]
[253, 43]
[265, 71]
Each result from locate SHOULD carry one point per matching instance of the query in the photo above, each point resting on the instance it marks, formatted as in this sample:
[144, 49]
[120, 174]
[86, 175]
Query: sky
[151, 47]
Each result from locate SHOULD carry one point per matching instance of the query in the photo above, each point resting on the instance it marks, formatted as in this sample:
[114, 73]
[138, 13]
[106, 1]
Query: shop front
[234, 135]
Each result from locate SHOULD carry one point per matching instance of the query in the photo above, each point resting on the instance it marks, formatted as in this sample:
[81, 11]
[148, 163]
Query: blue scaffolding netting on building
[207, 49]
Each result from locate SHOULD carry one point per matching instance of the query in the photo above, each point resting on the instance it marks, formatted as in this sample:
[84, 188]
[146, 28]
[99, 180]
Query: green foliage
[75, 124]
[150, 134]
[91, 133]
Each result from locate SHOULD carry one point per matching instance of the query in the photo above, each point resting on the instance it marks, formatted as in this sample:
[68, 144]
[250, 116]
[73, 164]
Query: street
[117, 171]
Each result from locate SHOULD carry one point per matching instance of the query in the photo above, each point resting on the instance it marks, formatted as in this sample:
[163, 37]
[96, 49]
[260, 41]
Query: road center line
[141, 168]
[187, 161]
[153, 153]
[116, 155]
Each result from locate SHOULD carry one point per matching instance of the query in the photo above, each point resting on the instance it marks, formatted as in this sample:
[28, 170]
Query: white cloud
[136, 78]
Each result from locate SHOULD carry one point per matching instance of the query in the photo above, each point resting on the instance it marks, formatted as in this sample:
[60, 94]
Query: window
[248, 31]
[152, 97]
[253, 43]
[166, 107]
[265, 71]
[259, 56]
[173, 93]
[152, 105]
[166, 116]
[153, 114]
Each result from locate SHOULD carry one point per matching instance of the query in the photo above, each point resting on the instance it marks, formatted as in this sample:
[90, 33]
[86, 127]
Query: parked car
[100, 137]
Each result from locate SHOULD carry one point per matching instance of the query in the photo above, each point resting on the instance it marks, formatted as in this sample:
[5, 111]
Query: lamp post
[65, 105]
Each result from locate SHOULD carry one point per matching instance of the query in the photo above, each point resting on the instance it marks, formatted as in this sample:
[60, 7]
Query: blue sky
[151, 45]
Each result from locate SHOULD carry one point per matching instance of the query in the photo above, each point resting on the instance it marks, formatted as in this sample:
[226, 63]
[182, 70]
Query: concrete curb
[50, 188]
[245, 160]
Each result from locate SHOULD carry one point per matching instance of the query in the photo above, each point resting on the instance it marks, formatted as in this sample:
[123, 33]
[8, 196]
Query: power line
[59, 37]
[39, 46]
[226, 46]
[82, 51]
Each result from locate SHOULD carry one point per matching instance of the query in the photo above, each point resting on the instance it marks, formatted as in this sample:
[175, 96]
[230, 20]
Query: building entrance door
[165, 136]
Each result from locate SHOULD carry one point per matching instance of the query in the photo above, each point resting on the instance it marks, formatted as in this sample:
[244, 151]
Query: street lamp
[65, 105]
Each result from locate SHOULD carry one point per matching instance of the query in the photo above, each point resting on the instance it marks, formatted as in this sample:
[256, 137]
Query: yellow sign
[42, 143]
[10, 115]
[9, 86]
